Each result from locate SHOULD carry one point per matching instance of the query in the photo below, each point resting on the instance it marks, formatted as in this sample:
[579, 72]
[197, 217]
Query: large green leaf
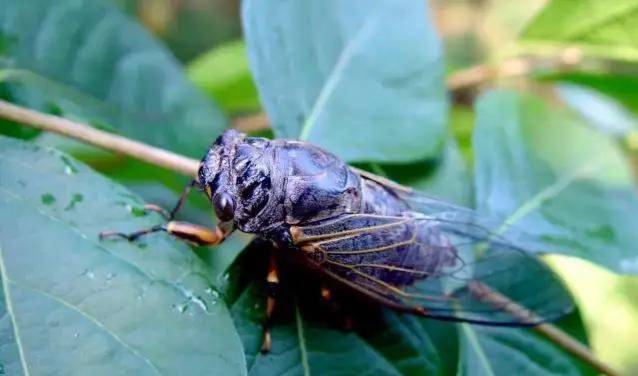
[446, 178]
[87, 60]
[539, 168]
[604, 28]
[74, 305]
[349, 77]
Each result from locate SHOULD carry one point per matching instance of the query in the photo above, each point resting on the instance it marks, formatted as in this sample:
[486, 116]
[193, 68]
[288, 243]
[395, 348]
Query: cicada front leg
[190, 232]
[178, 206]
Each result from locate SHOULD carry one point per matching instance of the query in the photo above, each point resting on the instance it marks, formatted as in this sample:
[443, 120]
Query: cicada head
[237, 176]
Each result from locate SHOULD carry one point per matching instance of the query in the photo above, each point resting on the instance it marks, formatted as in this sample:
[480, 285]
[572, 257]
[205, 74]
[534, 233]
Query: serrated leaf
[602, 28]
[578, 199]
[349, 77]
[74, 305]
[86, 60]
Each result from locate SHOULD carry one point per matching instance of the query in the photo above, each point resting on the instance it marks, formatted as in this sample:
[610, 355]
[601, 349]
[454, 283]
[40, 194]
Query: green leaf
[602, 112]
[88, 61]
[224, 75]
[71, 302]
[349, 77]
[306, 338]
[602, 28]
[446, 177]
[492, 351]
[540, 169]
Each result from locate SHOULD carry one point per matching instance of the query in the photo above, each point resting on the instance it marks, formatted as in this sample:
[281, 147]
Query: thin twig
[102, 139]
[188, 166]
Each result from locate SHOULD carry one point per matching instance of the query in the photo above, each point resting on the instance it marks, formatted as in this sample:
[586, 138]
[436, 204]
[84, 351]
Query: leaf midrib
[471, 336]
[550, 191]
[302, 342]
[14, 322]
[336, 73]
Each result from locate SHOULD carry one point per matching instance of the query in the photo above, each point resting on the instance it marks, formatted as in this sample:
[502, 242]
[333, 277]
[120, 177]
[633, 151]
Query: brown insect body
[365, 233]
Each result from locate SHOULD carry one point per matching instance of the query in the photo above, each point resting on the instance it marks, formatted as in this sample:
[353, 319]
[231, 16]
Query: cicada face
[237, 176]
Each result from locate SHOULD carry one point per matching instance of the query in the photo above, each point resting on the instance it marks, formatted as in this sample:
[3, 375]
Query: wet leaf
[541, 169]
[348, 77]
[73, 304]
[86, 60]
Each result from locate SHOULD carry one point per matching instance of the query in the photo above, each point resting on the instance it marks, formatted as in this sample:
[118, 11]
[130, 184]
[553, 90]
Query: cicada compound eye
[224, 206]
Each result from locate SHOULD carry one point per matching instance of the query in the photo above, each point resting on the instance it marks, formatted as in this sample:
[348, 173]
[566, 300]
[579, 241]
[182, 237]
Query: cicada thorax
[318, 185]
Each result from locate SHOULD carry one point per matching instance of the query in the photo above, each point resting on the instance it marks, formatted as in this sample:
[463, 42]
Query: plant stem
[189, 166]
[102, 139]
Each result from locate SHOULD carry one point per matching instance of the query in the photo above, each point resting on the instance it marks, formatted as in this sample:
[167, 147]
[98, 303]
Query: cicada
[373, 237]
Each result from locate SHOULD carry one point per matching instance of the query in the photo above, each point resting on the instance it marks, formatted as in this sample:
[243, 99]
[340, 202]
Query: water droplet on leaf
[89, 273]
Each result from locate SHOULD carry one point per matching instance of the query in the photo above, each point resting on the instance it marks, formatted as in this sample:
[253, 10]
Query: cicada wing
[437, 267]
[464, 219]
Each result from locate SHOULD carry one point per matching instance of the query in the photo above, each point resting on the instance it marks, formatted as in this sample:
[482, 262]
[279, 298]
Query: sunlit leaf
[602, 28]
[541, 169]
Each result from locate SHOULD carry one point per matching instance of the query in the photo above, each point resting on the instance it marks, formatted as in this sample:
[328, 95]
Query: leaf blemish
[136, 211]
[47, 199]
[76, 198]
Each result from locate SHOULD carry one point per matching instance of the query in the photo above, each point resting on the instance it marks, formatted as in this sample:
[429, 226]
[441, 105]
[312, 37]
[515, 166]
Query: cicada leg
[336, 309]
[190, 232]
[178, 206]
[272, 285]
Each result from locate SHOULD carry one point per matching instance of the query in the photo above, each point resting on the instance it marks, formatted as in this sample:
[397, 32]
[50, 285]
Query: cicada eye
[224, 206]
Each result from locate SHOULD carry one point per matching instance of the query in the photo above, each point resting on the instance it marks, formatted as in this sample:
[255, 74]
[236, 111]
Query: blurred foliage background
[486, 44]
[206, 36]
[474, 32]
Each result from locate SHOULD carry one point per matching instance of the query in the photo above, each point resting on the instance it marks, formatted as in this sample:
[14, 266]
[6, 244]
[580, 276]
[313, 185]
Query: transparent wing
[444, 264]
